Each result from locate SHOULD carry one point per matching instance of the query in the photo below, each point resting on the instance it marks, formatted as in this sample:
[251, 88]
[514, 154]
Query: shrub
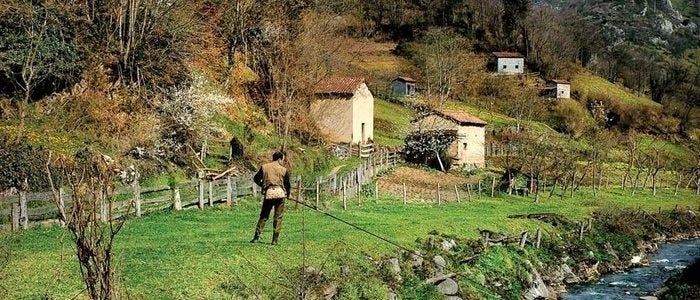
[571, 117]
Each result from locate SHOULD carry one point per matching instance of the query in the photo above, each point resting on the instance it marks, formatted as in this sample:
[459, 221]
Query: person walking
[273, 178]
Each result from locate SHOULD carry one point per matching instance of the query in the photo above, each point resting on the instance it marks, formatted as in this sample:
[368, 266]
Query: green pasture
[205, 254]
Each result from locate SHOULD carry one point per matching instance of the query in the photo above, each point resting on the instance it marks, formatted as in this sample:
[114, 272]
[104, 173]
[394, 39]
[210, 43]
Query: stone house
[403, 86]
[468, 150]
[558, 89]
[343, 109]
[509, 62]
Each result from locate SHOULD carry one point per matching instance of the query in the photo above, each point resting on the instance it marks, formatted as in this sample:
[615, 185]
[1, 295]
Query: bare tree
[91, 219]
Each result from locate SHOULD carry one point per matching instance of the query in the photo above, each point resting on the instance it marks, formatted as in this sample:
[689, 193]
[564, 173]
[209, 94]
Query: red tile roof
[406, 79]
[508, 55]
[560, 81]
[339, 85]
[461, 117]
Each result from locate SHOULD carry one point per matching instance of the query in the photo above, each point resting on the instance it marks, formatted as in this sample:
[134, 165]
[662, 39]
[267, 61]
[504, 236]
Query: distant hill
[665, 24]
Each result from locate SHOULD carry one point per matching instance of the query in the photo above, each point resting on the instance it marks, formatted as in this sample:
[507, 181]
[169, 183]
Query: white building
[509, 62]
[344, 110]
[468, 150]
[559, 89]
[403, 86]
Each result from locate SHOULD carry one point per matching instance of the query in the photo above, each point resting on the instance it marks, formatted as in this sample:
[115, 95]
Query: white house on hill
[509, 62]
[343, 109]
[468, 150]
[559, 89]
[403, 86]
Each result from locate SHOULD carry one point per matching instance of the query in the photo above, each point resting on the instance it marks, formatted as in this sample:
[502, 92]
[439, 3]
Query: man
[273, 178]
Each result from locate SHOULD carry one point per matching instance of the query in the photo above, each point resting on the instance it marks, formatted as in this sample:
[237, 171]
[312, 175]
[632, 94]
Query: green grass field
[206, 255]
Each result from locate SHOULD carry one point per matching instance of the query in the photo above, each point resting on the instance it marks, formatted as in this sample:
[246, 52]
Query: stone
[394, 265]
[417, 260]
[453, 298]
[569, 276]
[448, 287]
[637, 259]
[538, 290]
[345, 270]
[392, 296]
[440, 262]
[448, 245]
[648, 298]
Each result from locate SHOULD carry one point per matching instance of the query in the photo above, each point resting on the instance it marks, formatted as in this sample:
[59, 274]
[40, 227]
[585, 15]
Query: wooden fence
[27, 209]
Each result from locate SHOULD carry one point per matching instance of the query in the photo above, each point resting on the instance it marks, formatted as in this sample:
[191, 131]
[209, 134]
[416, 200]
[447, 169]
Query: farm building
[509, 62]
[468, 149]
[403, 86]
[558, 89]
[343, 109]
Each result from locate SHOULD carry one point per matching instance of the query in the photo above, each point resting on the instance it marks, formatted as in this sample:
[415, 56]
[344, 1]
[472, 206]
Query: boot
[275, 236]
[256, 237]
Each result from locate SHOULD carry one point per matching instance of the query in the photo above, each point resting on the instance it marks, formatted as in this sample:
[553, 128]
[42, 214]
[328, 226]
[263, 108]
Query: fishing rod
[353, 225]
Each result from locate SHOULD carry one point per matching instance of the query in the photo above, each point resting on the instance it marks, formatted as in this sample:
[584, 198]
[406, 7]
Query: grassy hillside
[589, 85]
[392, 122]
[206, 255]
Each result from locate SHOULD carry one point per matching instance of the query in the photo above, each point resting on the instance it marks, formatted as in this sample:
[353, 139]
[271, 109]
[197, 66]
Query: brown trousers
[267, 206]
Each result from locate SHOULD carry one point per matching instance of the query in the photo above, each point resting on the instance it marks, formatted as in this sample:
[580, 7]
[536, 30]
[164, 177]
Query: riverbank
[515, 267]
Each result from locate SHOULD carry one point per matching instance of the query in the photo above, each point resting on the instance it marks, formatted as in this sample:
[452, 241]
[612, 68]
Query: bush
[571, 117]
[21, 161]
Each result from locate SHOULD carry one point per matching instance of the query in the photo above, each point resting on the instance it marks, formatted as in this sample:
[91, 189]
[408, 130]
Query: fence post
[200, 187]
[254, 187]
[404, 192]
[580, 232]
[539, 237]
[62, 205]
[438, 195]
[345, 196]
[469, 191]
[137, 198]
[103, 205]
[299, 197]
[211, 194]
[479, 188]
[234, 190]
[523, 239]
[493, 185]
[15, 216]
[457, 194]
[23, 213]
[376, 192]
[318, 191]
[177, 202]
[228, 191]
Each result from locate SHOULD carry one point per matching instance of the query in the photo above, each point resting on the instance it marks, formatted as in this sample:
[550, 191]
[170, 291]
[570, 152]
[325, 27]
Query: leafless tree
[91, 219]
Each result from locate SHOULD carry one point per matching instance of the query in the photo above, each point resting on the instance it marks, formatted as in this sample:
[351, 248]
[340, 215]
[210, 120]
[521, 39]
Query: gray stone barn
[403, 86]
[343, 109]
[509, 62]
[468, 150]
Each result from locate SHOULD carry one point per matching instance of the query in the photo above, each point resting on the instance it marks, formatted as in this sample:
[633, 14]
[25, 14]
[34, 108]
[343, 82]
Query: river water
[642, 281]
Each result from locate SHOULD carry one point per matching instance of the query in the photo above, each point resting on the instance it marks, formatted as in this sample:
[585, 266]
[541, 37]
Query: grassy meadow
[196, 254]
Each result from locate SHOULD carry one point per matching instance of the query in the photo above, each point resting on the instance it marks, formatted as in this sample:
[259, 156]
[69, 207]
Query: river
[641, 281]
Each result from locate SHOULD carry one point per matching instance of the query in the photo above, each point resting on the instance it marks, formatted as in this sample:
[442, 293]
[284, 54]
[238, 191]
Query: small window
[504, 67]
[516, 67]
[464, 146]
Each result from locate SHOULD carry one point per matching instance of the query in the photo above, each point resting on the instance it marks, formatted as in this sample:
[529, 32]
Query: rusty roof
[406, 79]
[507, 55]
[339, 85]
